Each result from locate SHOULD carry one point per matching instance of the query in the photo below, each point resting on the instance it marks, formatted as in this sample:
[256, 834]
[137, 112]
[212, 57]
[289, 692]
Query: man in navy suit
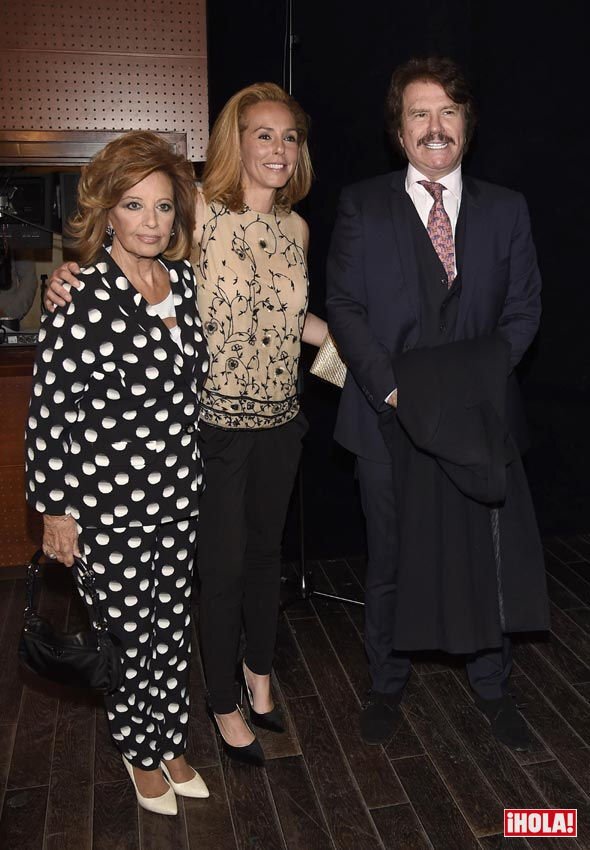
[419, 258]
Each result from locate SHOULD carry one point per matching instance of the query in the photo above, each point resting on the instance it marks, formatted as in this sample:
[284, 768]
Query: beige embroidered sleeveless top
[252, 291]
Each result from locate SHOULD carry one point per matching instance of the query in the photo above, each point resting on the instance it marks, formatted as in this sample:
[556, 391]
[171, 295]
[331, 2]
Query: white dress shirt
[423, 200]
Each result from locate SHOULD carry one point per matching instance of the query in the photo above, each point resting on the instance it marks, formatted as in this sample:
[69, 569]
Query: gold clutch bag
[327, 364]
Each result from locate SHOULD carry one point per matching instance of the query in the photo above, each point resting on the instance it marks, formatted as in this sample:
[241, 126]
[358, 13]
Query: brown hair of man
[119, 166]
[432, 69]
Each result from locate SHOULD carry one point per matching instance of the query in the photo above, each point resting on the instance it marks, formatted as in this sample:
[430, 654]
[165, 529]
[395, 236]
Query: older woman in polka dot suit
[112, 457]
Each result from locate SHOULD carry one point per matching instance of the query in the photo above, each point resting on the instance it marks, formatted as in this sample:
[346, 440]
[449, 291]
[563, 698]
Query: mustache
[436, 137]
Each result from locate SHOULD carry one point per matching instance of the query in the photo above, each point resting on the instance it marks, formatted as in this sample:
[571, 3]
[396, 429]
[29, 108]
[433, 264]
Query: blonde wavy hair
[118, 167]
[221, 176]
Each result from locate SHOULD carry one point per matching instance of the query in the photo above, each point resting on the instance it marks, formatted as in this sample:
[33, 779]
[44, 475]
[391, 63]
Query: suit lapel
[133, 306]
[400, 214]
[475, 232]
[180, 286]
[185, 299]
[184, 360]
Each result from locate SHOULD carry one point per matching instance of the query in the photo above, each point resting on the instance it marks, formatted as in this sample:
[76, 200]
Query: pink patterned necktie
[440, 230]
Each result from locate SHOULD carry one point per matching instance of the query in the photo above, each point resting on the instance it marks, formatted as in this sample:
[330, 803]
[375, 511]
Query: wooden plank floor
[440, 784]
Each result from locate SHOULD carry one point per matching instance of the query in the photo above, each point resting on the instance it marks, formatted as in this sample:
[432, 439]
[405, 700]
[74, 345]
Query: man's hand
[392, 399]
[60, 538]
[55, 294]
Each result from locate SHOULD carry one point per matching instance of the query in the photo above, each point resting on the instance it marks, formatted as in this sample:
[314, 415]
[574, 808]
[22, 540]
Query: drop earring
[110, 231]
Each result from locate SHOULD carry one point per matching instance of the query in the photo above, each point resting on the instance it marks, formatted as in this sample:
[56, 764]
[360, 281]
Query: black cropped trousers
[249, 478]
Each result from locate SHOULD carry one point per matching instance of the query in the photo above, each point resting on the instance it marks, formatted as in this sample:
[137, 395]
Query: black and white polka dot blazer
[112, 430]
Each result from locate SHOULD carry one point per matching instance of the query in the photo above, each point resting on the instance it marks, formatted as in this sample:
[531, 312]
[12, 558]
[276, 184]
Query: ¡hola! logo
[535, 823]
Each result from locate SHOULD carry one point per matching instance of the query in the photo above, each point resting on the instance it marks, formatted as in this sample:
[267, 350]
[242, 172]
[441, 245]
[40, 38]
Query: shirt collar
[453, 181]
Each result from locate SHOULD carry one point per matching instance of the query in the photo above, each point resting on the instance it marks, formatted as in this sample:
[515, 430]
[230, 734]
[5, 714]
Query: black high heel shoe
[248, 754]
[271, 720]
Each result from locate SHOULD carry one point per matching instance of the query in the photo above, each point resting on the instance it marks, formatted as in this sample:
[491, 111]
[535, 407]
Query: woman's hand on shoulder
[55, 294]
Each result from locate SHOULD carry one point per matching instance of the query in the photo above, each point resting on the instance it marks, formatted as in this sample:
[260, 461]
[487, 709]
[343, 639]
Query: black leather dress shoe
[380, 714]
[507, 723]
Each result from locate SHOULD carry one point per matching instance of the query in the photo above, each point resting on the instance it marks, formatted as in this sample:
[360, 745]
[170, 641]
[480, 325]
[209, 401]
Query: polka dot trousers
[144, 581]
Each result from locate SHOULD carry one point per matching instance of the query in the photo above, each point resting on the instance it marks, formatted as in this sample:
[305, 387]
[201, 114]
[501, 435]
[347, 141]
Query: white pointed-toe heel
[194, 787]
[165, 804]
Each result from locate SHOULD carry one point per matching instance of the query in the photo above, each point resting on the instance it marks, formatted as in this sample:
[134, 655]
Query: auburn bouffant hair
[118, 167]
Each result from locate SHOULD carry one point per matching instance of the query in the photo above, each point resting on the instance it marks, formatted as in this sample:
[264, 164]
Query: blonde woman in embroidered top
[252, 293]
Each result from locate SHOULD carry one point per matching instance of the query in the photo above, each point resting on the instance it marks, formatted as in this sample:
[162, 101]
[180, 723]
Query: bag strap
[89, 585]
[86, 578]
[33, 568]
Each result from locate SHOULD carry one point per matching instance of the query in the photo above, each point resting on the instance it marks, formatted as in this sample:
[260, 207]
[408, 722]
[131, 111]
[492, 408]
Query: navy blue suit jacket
[373, 299]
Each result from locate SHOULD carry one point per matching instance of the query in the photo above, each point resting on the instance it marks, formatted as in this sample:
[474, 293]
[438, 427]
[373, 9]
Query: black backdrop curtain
[526, 61]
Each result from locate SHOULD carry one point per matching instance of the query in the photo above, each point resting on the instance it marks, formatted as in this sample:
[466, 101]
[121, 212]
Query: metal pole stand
[303, 586]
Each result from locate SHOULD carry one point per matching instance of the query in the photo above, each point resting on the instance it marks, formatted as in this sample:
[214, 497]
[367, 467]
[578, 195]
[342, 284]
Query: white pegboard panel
[82, 65]
[117, 26]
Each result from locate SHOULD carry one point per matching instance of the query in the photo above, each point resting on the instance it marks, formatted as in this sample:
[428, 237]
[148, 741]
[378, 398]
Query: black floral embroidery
[252, 294]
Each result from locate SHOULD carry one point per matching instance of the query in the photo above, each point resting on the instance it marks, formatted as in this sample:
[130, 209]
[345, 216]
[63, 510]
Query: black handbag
[89, 659]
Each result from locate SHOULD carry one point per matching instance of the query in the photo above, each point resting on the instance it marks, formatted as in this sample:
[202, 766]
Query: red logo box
[539, 823]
